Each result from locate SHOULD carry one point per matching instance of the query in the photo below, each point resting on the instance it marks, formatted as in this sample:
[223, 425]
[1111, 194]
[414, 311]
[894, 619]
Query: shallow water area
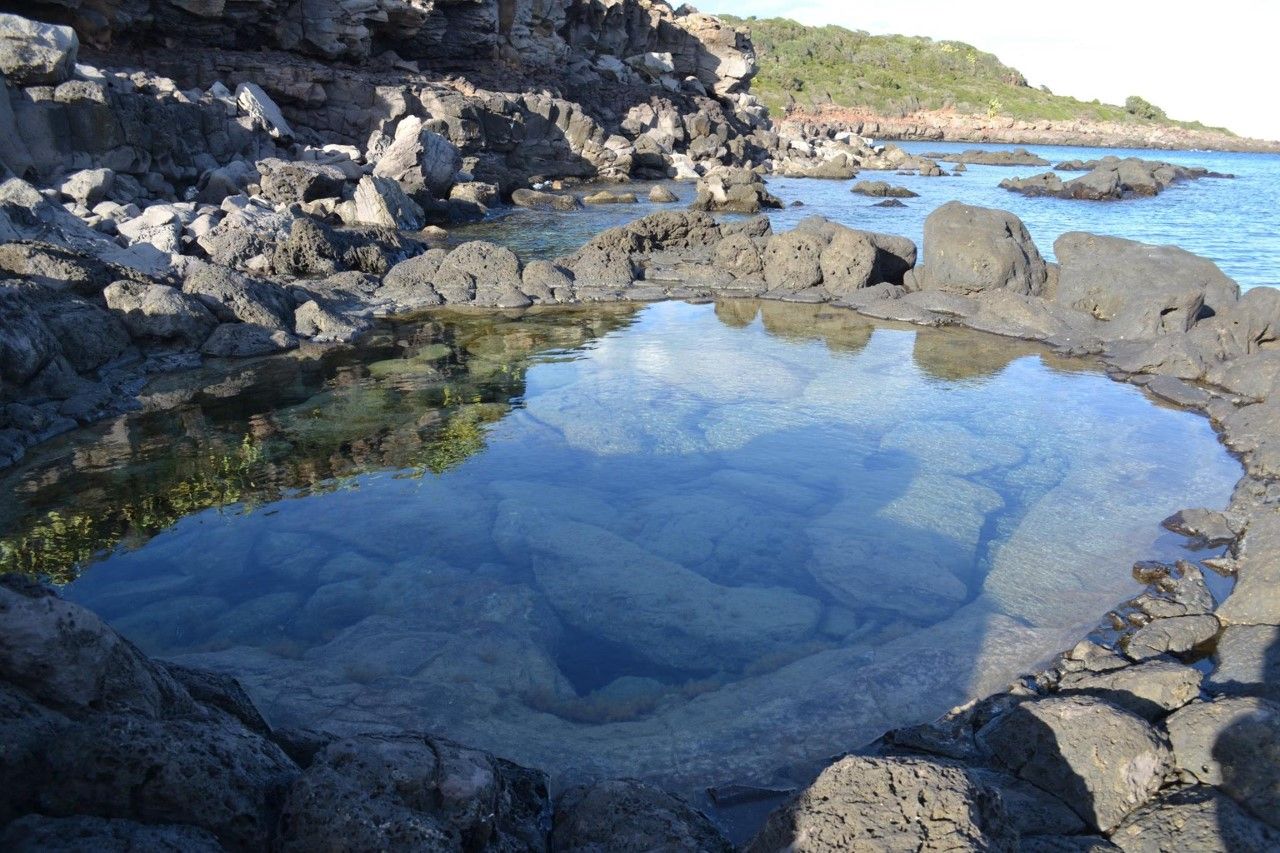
[1232, 222]
[696, 544]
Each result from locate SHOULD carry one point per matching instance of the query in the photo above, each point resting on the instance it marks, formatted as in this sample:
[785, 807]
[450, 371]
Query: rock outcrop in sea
[1108, 179]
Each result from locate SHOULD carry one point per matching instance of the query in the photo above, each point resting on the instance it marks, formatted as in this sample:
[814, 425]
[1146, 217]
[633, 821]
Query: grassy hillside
[897, 75]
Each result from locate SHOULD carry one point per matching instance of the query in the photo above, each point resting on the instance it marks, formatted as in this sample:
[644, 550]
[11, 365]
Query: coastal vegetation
[895, 75]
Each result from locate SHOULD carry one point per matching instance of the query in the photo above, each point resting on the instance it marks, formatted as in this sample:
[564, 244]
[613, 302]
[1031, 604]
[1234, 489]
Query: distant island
[911, 87]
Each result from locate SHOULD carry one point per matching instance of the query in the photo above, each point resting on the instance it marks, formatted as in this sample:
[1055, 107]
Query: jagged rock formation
[559, 89]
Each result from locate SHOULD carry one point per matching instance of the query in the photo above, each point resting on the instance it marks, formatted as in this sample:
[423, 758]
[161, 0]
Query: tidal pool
[696, 544]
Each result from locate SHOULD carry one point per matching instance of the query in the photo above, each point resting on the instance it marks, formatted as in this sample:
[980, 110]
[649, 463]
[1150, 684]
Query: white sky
[1218, 62]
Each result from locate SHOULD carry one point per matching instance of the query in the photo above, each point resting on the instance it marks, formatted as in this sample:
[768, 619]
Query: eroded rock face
[383, 792]
[890, 804]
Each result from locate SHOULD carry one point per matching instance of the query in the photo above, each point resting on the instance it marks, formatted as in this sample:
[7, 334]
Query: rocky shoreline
[129, 253]
[953, 127]
[1112, 746]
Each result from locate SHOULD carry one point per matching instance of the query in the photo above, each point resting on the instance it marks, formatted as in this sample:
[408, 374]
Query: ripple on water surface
[696, 544]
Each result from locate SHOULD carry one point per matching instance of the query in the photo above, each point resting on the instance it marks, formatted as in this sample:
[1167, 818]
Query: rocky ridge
[945, 126]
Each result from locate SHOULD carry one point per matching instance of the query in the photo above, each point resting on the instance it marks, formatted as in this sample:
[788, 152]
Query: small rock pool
[696, 544]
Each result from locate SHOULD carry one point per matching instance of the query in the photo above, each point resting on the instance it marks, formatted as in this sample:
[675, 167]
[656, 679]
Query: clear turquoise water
[697, 544]
[1236, 222]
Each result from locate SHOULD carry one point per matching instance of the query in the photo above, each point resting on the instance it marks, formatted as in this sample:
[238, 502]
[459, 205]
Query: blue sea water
[1236, 223]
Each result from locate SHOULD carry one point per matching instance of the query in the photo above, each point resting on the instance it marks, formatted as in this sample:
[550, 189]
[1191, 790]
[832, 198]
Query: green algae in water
[694, 544]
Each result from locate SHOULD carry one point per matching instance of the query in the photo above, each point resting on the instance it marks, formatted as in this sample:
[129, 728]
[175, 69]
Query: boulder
[210, 773]
[733, 190]
[1150, 689]
[662, 195]
[412, 792]
[1139, 290]
[232, 296]
[410, 283]
[88, 186]
[69, 660]
[284, 182]
[630, 817]
[381, 202]
[607, 197]
[1233, 744]
[1194, 818]
[1176, 635]
[33, 53]
[481, 273]
[307, 249]
[263, 112]
[322, 323]
[160, 312]
[1256, 597]
[420, 160]
[538, 200]
[890, 804]
[1100, 760]
[1247, 662]
[881, 189]
[88, 336]
[242, 340]
[974, 249]
[26, 343]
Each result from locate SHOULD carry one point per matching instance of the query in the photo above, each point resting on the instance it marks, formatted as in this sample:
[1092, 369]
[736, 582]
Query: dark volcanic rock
[630, 817]
[1101, 761]
[84, 834]
[881, 189]
[1108, 179]
[413, 792]
[1139, 290]
[890, 804]
[985, 157]
[975, 249]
